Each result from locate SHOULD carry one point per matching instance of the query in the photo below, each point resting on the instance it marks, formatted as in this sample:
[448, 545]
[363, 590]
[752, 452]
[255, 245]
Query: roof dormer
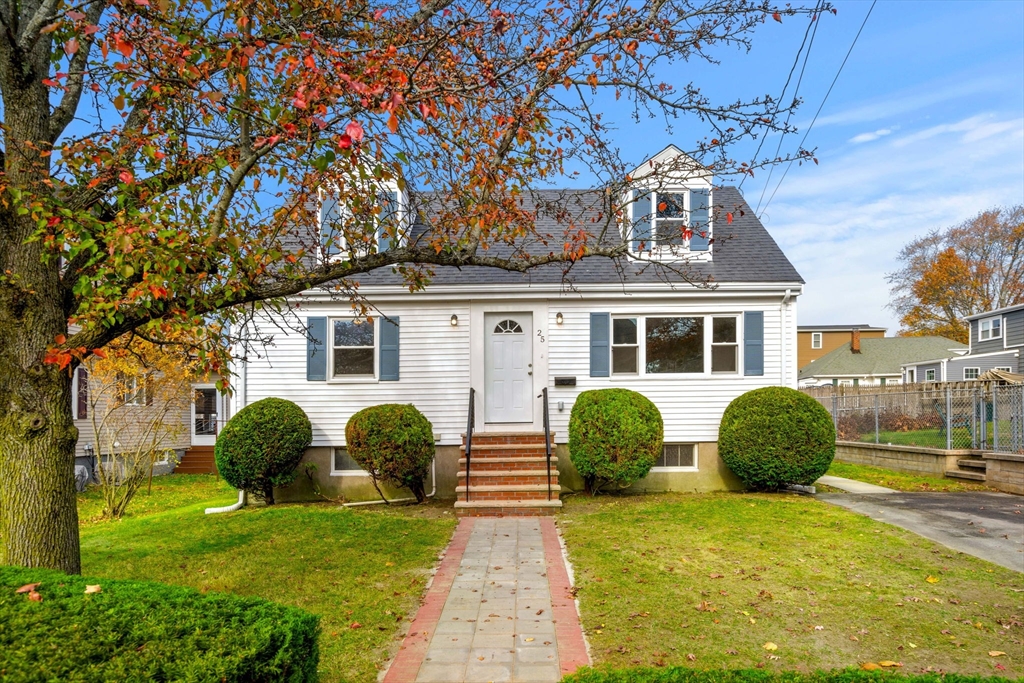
[371, 218]
[669, 204]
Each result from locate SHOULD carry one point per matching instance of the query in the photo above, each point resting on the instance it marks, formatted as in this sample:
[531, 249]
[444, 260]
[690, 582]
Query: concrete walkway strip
[499, 609]
[852, 485]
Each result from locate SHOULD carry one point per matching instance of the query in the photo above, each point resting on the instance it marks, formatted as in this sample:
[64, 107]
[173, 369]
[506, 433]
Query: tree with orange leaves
[162, 163]
[966, 269]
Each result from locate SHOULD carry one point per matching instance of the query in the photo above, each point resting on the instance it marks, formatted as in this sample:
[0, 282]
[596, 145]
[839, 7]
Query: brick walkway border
[572, 649]
[414, 648]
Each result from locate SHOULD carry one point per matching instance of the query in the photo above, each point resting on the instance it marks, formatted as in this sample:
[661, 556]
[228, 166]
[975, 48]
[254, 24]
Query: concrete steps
[972, 469]
[960, 474]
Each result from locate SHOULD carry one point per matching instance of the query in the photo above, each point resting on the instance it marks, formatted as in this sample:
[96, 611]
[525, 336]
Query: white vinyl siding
[434, 374]
[691, 405]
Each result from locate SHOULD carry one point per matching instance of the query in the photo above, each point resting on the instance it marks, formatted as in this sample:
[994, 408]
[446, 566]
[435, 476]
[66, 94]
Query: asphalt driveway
[986, 525]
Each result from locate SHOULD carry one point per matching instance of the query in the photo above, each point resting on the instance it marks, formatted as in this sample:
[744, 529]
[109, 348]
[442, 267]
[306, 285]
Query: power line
[792, 69]
[824, 100]
[789, 114]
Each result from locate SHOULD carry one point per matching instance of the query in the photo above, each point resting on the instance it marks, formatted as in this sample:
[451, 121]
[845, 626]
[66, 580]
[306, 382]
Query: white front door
[206, 414]
[508, 367]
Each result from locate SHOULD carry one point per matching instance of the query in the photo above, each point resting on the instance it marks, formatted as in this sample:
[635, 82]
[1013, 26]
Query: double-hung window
[361, 226]
[675, 345]
[991, 328]
[929, 375]
[815, 340]
[133, 390]
[352, 348]
[671, 221]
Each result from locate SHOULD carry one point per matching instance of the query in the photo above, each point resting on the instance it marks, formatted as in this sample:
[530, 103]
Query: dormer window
[670, 221]
[359, 226]
[991, 328]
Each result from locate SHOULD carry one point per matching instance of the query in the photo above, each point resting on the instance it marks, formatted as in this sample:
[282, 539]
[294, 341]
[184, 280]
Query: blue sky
[924, 129]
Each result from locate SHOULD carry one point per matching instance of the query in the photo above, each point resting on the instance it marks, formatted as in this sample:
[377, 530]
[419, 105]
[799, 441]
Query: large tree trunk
[38, 514]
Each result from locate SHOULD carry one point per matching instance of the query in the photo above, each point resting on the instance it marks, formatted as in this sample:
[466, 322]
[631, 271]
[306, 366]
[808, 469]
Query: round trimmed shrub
[394, 443]
[615, 437]
[260, 447]
[775, 436]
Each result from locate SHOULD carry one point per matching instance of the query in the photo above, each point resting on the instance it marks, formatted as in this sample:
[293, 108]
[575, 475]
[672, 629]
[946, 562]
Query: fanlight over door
[508, 367]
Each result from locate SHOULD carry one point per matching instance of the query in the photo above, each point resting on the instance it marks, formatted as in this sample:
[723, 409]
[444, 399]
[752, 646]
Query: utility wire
[824, 100]
[796, 60]
[789, 114]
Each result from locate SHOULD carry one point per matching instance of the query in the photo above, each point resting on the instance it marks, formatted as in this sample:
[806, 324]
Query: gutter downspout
[242, 497]
[785, 333]
[433, 490]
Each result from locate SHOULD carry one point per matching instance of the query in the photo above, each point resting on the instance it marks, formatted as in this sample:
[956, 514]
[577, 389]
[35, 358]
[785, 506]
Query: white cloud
[843, 223]
[870, 137]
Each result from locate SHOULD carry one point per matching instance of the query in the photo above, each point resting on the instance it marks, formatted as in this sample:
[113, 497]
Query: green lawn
[362, 570]
[902, 481]
[709, 581]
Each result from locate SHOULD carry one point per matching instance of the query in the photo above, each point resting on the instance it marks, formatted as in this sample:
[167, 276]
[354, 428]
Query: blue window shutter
[388, 220]
[316, 349]
[641, 219]
[330, 217]
[388, 355]
[600, 341]
[753, 343]
[700, 203]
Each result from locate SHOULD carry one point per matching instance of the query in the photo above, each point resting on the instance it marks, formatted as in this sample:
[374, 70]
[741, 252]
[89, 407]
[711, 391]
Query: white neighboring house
[996, 343]
[690, 349]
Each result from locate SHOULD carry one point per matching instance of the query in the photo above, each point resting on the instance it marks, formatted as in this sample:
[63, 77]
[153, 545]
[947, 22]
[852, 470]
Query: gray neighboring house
[997, 343]
[876, 362]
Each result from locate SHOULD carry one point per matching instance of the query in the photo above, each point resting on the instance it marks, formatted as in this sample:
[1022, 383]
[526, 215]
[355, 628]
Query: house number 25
[540, 333]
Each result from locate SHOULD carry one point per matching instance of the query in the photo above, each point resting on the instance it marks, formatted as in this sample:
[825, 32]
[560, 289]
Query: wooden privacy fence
[951, 415]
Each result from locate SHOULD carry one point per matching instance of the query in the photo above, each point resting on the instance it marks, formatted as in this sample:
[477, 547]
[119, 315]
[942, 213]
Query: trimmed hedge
[260, 447]
[394, 443]
[774, 436]
[144, 631]
[615, 437]
[684, 675]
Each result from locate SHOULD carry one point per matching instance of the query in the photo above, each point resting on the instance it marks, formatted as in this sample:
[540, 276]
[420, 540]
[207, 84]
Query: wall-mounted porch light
[559, 319]
[455, 320]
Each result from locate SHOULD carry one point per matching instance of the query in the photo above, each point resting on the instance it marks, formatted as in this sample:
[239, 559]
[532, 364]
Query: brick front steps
[508, 476]
[197, 460]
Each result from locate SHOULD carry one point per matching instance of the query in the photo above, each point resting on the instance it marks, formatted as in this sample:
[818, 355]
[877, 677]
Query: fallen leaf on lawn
[931, 579]
[770, 646]
[355, 624]
[855, 639]
[996, 653]
[945, 631]
[819, 628]
[731, 652]
[35, 596]
[692, 657]
[870, 666]
[597, 631]
[93, 589]
[28, 588]
[706, 606]
[888, 663]
[753, 620]
[774, 657]
[716, 576]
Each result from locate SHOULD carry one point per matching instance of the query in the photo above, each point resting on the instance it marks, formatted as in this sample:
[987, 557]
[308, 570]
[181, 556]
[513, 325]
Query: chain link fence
[960, 415]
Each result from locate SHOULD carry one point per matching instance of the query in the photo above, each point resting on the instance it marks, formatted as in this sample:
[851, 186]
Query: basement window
[677, 456]
[344, 464]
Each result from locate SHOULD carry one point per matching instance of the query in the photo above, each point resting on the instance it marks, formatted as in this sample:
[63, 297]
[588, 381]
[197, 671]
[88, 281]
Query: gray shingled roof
[880, 356]
[743, 251]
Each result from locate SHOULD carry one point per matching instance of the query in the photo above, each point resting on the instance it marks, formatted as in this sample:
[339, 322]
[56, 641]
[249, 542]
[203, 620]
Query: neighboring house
[996, 343]
[874, 362]
[814, 341]
[690, 349]
[192, 448]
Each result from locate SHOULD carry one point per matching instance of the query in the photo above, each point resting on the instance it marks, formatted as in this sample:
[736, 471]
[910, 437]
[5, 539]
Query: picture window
[674, 345]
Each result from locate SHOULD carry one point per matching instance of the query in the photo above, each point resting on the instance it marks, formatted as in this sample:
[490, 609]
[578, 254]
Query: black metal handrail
[547, 437]
[470, 421]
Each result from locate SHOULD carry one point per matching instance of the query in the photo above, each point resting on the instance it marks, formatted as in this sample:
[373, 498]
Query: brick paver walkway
[499, 609]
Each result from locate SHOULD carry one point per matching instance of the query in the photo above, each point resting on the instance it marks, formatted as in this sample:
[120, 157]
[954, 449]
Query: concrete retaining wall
[932, 462]
[1005, 471]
